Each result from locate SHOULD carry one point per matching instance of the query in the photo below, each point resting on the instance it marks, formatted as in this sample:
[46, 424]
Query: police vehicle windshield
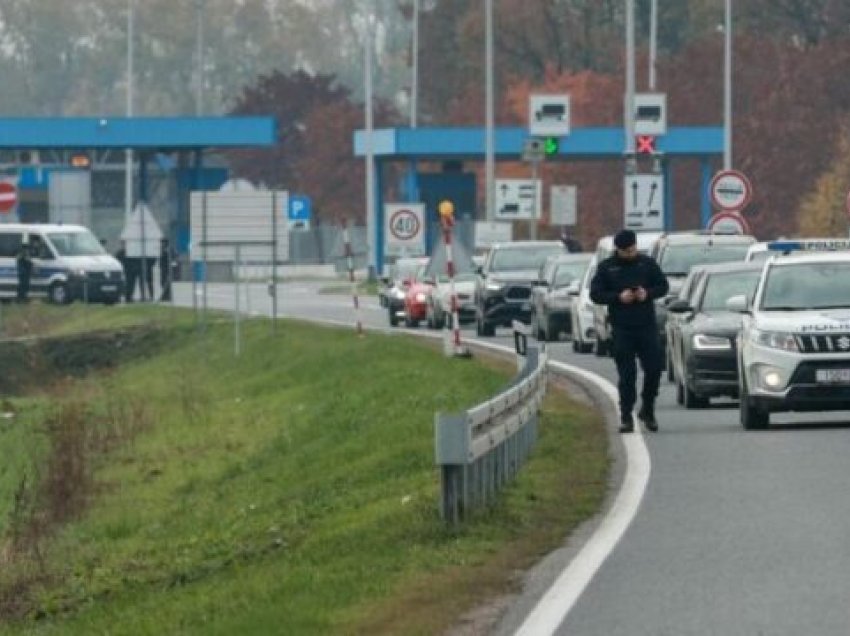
[807, 286]
[721, 287]
[677, 260]
[75, 244]
[513, 259]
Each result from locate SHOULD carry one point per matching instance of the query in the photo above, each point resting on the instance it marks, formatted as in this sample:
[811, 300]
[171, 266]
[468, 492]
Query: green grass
[289, 491]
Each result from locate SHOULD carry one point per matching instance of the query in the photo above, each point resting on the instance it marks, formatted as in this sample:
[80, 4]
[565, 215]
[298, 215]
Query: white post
[489, 141]
[371, 229]
[199, 87]
[128, 153]
[414, 81]
[653, 42]
[629, 121]
[727, 90]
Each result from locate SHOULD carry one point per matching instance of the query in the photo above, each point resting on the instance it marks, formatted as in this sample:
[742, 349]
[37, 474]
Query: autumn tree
[823, 211]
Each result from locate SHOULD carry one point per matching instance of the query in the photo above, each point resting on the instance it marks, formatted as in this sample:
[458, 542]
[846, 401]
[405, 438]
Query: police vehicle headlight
[774, 340]
[711, 343]
[769, 377]
[494, 287]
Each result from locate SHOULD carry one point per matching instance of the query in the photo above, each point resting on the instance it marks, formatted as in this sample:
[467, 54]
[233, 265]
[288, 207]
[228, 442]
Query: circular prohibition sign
[404, 224]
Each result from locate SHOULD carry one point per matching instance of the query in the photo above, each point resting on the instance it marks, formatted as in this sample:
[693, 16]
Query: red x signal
[645, 144]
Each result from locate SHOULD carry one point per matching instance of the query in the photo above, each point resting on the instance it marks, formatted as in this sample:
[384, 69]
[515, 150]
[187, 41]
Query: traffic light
[645, 144]
[551, 145]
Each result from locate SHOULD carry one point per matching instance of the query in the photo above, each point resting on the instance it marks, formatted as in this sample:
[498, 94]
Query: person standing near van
[628, 282]
[131, 270]
[23, 261]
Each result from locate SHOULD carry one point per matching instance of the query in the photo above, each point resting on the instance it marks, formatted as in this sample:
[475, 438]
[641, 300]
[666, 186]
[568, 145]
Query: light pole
[653, 42]
[629, 121]
[199, 57]
[128, 152]
[371, 230]
[489, 141]
[727, 90]
[414, 81]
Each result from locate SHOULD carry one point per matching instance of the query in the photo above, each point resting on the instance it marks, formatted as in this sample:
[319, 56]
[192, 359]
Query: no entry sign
[729, 223]
[730, 190]
[8, 196]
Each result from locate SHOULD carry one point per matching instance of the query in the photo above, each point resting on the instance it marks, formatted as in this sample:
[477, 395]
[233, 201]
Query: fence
[483, 448]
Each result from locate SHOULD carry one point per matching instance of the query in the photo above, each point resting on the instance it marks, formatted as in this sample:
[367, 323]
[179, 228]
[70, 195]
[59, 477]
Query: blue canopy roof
[159, 133]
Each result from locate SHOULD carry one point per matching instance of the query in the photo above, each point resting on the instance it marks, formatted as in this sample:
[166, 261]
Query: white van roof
[41, 227]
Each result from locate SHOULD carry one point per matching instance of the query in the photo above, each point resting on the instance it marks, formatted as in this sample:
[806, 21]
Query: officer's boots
[647, 416]
[627, 423]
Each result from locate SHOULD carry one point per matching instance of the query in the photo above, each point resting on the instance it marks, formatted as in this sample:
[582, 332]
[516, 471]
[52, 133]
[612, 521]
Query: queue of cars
[767, 323]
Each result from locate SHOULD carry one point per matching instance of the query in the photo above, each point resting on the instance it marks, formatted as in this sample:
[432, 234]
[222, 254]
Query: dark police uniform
[634, 329]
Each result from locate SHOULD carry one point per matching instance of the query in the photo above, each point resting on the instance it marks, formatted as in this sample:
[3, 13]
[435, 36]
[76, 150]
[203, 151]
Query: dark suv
[503, 285]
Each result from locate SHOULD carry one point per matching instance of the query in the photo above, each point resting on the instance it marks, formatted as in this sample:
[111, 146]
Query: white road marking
[553, 607]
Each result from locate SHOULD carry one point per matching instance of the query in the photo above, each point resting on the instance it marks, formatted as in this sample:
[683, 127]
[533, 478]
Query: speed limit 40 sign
[404, 233]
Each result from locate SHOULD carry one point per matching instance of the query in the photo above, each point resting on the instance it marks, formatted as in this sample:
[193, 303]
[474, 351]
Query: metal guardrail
[483, 448]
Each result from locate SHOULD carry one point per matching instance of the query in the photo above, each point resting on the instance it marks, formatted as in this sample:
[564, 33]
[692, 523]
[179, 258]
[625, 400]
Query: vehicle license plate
[833, 376]
[109, 288]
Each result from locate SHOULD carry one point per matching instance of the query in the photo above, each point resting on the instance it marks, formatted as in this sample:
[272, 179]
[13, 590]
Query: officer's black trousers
[642, 343]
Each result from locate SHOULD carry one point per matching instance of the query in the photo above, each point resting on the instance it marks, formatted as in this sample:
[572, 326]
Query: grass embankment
[289, 491]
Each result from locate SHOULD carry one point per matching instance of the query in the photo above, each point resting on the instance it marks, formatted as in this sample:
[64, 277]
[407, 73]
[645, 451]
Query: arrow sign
[634, 194]
[643, 198]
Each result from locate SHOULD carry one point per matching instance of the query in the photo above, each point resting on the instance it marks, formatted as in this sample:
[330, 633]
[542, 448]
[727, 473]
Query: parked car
[553, 293]
[397, 282]
[503, 284]
[701, 342]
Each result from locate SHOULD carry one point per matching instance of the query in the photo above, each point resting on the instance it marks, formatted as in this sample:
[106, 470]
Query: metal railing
[482, 449]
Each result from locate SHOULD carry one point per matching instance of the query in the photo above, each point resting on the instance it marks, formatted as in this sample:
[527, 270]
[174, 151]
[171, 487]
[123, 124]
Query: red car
[416, 298]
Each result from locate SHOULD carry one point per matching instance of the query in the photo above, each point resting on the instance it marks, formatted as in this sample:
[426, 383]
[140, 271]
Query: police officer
[23, 261]
[628, 282]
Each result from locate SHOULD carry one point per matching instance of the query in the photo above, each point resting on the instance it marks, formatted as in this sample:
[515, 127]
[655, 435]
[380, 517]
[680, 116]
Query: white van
[70, 264]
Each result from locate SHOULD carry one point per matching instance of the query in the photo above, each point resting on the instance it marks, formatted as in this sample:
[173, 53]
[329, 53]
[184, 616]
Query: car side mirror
[574, 288]
[739, 304]
[679, 306]
[479, 270]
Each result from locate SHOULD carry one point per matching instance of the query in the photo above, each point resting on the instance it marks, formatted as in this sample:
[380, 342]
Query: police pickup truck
[794, 344]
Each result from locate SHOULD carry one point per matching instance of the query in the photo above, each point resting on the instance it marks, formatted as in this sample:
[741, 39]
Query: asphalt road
[739, 532]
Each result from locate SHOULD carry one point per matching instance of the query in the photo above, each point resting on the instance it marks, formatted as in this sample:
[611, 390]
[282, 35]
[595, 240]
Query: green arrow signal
[551, 146]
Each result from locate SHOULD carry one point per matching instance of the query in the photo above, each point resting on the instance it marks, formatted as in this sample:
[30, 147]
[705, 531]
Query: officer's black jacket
[615, 274]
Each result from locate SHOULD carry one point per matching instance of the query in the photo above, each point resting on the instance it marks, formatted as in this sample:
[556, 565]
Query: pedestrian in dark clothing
[167, 269]
[23, 260]
[131, 271]
[628, 282]
[147, 283]
[570, 243]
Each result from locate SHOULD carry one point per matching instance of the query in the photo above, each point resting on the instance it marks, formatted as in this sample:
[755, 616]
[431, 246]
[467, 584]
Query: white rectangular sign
[650, 113]
[404, 229]
[238, 215]
[562, 205]
[643, 198]
[488, 233]
[548, 115]
[518, 199]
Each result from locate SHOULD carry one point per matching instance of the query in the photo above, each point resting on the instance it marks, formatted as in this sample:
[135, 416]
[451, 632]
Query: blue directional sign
[300, 208]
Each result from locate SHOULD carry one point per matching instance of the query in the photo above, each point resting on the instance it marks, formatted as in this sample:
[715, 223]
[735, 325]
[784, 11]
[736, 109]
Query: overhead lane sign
[643, 198]
[518, 199]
